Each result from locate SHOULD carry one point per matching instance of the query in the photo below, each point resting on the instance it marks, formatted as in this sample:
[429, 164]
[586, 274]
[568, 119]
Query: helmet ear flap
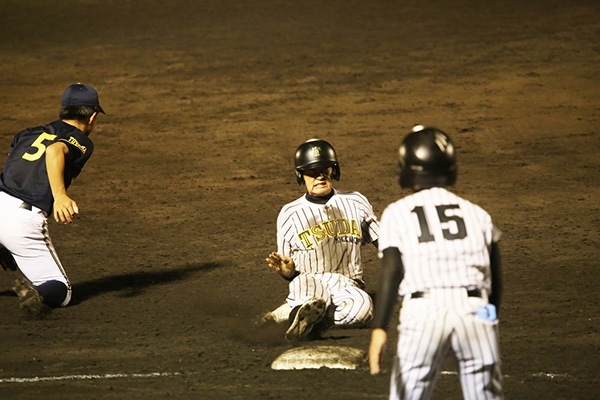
[299, 178]
[336, 172]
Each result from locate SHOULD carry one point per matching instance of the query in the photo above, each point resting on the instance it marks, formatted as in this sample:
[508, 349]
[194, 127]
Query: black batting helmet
[427, 159]
[315, 153]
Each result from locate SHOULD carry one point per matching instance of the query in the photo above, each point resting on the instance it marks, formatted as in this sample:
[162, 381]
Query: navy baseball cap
[79, 94]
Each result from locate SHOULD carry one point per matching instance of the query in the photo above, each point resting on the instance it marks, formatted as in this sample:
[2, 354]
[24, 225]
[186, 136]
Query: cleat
[30, 300]
[308, 315]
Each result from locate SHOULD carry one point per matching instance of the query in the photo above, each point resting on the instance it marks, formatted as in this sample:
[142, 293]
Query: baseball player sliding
[41, 164]
[319, 238]
[440, 254]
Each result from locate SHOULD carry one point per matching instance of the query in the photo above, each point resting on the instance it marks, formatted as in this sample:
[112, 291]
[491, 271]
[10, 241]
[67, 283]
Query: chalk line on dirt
[85, 377]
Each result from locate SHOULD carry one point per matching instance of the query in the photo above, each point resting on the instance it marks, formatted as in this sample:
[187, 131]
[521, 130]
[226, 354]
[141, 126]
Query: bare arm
[64, 208]
[376, 349]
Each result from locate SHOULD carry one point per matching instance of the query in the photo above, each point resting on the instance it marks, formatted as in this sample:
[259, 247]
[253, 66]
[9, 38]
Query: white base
[315, 357]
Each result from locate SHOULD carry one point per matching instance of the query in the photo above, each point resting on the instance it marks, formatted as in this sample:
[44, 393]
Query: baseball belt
[420, 294]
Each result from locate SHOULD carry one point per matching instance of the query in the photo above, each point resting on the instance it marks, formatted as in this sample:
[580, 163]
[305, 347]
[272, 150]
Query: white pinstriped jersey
[444, 240]
[327, 237]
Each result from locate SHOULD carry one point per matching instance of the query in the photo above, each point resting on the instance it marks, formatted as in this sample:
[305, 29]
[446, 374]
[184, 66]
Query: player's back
[24, 174]
[444, 240]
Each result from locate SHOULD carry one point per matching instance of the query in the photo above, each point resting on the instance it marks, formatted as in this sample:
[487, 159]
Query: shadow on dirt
[133, 284]
[273, 334]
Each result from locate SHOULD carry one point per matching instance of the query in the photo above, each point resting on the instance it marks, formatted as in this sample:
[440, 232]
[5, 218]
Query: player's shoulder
[73, 137]
[55, 127]
[432, 196]
[35, 130]
[352, 196]
[58, 128]
[396, 205]
[462, 202]
[292, 205]
[467, 202]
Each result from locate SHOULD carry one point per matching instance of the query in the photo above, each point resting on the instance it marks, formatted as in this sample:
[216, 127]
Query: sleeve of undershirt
[392, 272]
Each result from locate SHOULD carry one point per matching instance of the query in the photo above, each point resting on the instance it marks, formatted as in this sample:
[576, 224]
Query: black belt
[470, 293]
[26, 206]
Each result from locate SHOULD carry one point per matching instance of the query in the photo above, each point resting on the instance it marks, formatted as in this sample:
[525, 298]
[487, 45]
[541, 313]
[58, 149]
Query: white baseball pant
[353, 306]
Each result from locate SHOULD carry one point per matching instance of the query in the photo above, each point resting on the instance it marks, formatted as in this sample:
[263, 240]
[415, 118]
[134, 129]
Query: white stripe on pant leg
[52, 250]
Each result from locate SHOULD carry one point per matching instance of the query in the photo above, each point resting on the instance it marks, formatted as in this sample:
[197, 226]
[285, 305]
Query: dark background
[205, 104]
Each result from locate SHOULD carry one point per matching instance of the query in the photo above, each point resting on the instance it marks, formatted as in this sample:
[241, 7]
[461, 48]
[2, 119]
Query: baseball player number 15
[426, 235]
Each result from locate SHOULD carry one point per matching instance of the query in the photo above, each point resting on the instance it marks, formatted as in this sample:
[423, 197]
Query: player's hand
[281, 264]
[64, 209]
[376, 348]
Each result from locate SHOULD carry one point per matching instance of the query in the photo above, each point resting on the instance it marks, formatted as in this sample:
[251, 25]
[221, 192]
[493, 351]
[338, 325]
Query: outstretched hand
[281, 264]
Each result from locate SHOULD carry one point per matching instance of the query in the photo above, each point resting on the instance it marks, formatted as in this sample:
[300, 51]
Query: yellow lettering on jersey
[318, 232]
[330, 228]
[305, 238]
[75, 143]
[355, 230]
[343, 226]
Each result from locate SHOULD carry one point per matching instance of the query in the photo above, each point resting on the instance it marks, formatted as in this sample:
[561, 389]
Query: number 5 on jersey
[445, 219]
[40, 146]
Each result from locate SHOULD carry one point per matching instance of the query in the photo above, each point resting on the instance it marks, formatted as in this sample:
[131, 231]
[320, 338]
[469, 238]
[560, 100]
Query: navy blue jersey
[25, 175]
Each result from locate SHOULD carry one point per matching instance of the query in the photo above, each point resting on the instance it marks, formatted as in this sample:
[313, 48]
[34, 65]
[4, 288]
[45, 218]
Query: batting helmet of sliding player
[315, 153]
[426, 159]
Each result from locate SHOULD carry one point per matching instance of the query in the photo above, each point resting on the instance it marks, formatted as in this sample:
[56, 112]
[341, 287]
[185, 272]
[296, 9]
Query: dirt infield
[205, 103]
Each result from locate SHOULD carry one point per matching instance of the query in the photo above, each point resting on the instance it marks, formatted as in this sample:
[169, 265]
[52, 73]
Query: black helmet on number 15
[427, 158]
[315, 153]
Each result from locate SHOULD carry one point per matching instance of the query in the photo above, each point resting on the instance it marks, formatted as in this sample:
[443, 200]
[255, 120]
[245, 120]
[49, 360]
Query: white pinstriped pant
[432, 325]
[25, 234]
[353, 306]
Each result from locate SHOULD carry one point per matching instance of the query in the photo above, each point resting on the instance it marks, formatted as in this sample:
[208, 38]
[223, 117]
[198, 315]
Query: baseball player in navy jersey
[319, 238]
[41, 164]
[440, 255]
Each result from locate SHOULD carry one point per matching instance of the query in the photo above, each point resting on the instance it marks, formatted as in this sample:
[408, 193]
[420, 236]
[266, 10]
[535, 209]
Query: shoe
[30, 300]
[7, 261]
[277, 316]
[308, 315]
[264, 319]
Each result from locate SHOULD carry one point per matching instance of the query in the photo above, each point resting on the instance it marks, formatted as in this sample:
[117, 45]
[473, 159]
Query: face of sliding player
[318, 181]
